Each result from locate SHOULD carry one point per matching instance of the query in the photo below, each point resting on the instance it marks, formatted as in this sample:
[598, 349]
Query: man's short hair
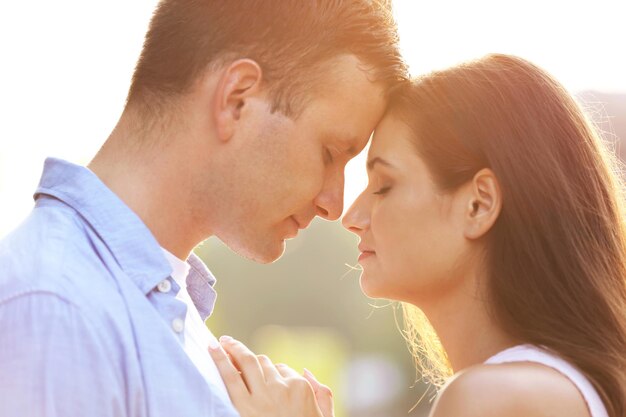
[290, 39]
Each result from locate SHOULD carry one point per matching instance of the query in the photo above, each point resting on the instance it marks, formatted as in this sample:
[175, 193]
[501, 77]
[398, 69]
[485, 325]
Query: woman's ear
[484, 204]
[239, 81]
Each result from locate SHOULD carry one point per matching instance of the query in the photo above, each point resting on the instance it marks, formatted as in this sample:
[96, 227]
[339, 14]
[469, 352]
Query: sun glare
[67, 67]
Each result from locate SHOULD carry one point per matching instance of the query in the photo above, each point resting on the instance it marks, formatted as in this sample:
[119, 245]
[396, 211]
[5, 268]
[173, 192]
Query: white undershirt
[197, 336]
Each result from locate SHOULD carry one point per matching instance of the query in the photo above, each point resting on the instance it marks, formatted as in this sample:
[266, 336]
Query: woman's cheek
[384, 225]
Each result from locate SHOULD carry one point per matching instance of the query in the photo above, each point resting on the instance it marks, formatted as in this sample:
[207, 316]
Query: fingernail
[214, 344]
[225, 339]
[309, 374]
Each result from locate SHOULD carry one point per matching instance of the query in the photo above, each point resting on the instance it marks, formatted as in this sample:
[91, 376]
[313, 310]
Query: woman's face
[411, 234]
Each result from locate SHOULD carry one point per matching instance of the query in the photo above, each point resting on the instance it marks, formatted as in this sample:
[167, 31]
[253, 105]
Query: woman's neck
[467, 332]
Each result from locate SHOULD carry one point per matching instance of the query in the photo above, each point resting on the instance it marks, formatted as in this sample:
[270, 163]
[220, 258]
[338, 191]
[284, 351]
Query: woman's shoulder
[510, 390]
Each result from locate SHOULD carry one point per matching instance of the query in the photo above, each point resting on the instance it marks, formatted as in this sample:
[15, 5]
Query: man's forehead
[347, 76]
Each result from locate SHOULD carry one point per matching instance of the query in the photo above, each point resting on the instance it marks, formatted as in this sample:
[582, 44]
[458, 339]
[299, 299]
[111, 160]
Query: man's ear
[239, 81]
[484, 203]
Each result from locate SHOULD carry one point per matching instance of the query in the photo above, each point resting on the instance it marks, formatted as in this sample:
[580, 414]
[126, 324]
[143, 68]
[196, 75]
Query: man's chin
[260, 252]
[268, 257]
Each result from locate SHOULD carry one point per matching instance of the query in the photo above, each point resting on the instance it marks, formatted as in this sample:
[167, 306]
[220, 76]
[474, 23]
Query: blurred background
[66, 68]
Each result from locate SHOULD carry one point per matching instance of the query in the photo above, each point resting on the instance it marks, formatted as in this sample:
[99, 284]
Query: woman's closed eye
[328, 156]
[383, 190]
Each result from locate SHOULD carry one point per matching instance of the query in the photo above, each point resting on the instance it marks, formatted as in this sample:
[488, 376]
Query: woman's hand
[323, 394]
[258, 388]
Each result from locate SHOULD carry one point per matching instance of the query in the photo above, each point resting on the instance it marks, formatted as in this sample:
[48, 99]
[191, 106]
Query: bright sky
[66, 67]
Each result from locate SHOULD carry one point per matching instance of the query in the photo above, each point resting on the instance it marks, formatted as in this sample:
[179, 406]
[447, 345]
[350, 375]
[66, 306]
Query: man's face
[288, 171]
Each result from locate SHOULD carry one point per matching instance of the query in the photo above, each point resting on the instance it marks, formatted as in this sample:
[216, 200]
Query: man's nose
[329, 202]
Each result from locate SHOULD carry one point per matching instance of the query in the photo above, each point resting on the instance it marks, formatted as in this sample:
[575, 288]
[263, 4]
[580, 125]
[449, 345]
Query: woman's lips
[366, 254]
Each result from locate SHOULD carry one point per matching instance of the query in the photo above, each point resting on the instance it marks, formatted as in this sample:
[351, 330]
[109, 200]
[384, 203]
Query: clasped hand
[259, 388]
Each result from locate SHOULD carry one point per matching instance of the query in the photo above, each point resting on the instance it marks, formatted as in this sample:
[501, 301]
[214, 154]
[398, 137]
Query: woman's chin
[370, 286]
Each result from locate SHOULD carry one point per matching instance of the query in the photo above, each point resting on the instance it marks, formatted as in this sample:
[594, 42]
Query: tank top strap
[532, 353]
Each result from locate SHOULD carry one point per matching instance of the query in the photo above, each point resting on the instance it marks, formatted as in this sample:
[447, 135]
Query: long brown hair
[556, 256]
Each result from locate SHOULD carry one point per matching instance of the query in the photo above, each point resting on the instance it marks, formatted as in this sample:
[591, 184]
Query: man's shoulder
[52, 251]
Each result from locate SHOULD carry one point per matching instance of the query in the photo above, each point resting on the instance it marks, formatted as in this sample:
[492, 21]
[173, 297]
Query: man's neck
[153, 181]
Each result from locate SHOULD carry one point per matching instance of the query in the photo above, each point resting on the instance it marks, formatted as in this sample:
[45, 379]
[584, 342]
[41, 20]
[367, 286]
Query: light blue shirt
[86, 329]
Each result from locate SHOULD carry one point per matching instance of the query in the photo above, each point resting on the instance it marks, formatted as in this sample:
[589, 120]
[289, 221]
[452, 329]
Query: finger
[235, 385]
[287, 372]
[323, 394]
[246, 362]
[311, 378]
[269, 369]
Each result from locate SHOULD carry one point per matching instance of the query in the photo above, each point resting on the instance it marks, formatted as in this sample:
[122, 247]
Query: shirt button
[164, 286]
[178, 325]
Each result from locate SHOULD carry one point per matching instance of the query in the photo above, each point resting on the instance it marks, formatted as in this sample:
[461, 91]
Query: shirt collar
[180, 268]
[130, 241]
[198, 280]
[200, 286]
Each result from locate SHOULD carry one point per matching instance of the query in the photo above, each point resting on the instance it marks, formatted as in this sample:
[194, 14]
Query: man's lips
[294, 230]
[302, 224]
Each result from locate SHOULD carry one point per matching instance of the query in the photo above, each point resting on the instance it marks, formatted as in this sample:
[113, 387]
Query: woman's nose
[356, 218]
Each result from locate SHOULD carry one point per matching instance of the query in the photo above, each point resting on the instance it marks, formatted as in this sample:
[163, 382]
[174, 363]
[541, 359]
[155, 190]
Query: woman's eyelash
[382, 190]
[328, 156]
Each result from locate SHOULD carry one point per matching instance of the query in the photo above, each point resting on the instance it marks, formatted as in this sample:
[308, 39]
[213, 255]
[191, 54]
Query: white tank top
[531, 353]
